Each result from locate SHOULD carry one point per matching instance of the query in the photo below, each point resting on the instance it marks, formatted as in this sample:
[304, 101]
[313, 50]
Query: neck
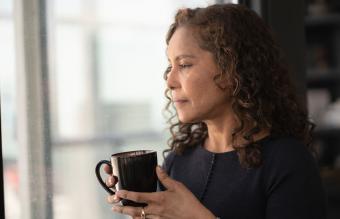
[219, 137]
[220, 131]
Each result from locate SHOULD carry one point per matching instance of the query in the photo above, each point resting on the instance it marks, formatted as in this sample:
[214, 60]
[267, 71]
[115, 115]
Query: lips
[179, 101]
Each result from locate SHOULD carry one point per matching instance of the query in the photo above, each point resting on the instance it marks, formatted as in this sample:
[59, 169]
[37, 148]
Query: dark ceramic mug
[135, 170]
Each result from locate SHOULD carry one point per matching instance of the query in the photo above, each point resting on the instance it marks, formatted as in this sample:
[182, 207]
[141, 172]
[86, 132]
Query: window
[80, 80]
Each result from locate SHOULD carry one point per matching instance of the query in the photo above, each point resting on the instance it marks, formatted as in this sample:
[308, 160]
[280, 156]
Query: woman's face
[191, 71]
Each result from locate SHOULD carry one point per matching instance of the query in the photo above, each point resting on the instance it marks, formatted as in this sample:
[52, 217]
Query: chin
[187, 119]
[183, 119]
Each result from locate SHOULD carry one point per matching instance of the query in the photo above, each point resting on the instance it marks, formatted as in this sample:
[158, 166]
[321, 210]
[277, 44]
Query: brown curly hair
[263, 95]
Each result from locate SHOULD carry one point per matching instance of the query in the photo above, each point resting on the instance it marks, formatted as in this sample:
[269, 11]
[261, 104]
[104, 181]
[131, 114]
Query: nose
[172, 79]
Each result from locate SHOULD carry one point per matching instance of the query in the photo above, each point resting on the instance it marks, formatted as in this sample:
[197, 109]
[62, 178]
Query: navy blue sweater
[286, 186]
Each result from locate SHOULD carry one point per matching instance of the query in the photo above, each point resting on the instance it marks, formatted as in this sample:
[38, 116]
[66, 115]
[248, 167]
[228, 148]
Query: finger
[154, 210]
[134, 212]
[113, 199]
[165, 179]
[107, 169]
[128, 210]
[141, 197]
[111, 181]
[150, 216]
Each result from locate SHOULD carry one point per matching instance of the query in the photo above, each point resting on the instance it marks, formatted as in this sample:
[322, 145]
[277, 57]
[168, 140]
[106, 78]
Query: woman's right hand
[111, 180]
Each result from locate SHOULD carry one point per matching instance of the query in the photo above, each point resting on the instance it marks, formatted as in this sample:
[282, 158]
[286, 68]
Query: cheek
[202, 93]
[196, 88]
[211, 96]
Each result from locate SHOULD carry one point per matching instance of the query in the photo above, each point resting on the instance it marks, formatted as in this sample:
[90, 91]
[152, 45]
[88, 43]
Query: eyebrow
[184, 56]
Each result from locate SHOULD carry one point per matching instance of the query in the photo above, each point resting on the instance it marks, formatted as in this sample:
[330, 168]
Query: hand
[111, 180]
[176, 202]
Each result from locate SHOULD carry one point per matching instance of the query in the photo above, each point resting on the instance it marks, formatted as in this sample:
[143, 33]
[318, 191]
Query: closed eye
[185, 65]
[169, 68]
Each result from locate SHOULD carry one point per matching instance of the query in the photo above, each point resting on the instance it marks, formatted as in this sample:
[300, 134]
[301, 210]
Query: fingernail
[115, 198]
[110, 199]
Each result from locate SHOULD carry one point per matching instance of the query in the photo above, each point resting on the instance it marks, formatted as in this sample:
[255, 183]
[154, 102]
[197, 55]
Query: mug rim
[144, 152]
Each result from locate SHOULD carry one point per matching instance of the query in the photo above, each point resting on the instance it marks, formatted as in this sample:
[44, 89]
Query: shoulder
[275, 144]
[292, 182]
[286, 150]
[286, 158]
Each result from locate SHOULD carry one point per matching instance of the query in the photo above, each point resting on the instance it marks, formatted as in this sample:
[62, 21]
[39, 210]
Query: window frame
[2, 195]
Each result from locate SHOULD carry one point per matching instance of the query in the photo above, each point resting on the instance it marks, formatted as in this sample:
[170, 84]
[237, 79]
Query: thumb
[164, 178]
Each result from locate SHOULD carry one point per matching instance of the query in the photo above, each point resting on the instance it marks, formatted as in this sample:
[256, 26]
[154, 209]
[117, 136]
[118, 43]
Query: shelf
[320, 79]
[331, 180]
[323, 20]
[331, 132]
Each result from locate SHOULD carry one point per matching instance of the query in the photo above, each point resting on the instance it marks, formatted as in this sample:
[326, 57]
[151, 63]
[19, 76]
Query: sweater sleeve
[167, 164]
[292, 182]
[168, 161]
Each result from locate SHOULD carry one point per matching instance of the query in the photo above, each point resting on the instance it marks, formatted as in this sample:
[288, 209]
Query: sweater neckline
[229, 153]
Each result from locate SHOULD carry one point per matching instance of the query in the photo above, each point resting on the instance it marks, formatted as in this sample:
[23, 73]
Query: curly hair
[250, 60]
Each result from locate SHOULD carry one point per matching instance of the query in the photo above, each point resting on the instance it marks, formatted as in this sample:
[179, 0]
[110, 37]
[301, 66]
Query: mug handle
[102, 183]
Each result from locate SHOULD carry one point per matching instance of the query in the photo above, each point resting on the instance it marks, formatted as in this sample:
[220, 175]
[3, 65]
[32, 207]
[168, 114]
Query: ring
[142, 215]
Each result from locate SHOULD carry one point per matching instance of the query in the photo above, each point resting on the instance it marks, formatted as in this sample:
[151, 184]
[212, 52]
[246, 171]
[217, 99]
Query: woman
[241, 144]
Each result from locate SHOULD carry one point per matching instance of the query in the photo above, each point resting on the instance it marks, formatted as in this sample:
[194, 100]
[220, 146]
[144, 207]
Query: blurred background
[82, 79]
[322, 29]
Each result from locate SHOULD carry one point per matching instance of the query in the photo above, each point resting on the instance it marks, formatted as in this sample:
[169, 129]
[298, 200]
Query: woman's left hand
[176, 202]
